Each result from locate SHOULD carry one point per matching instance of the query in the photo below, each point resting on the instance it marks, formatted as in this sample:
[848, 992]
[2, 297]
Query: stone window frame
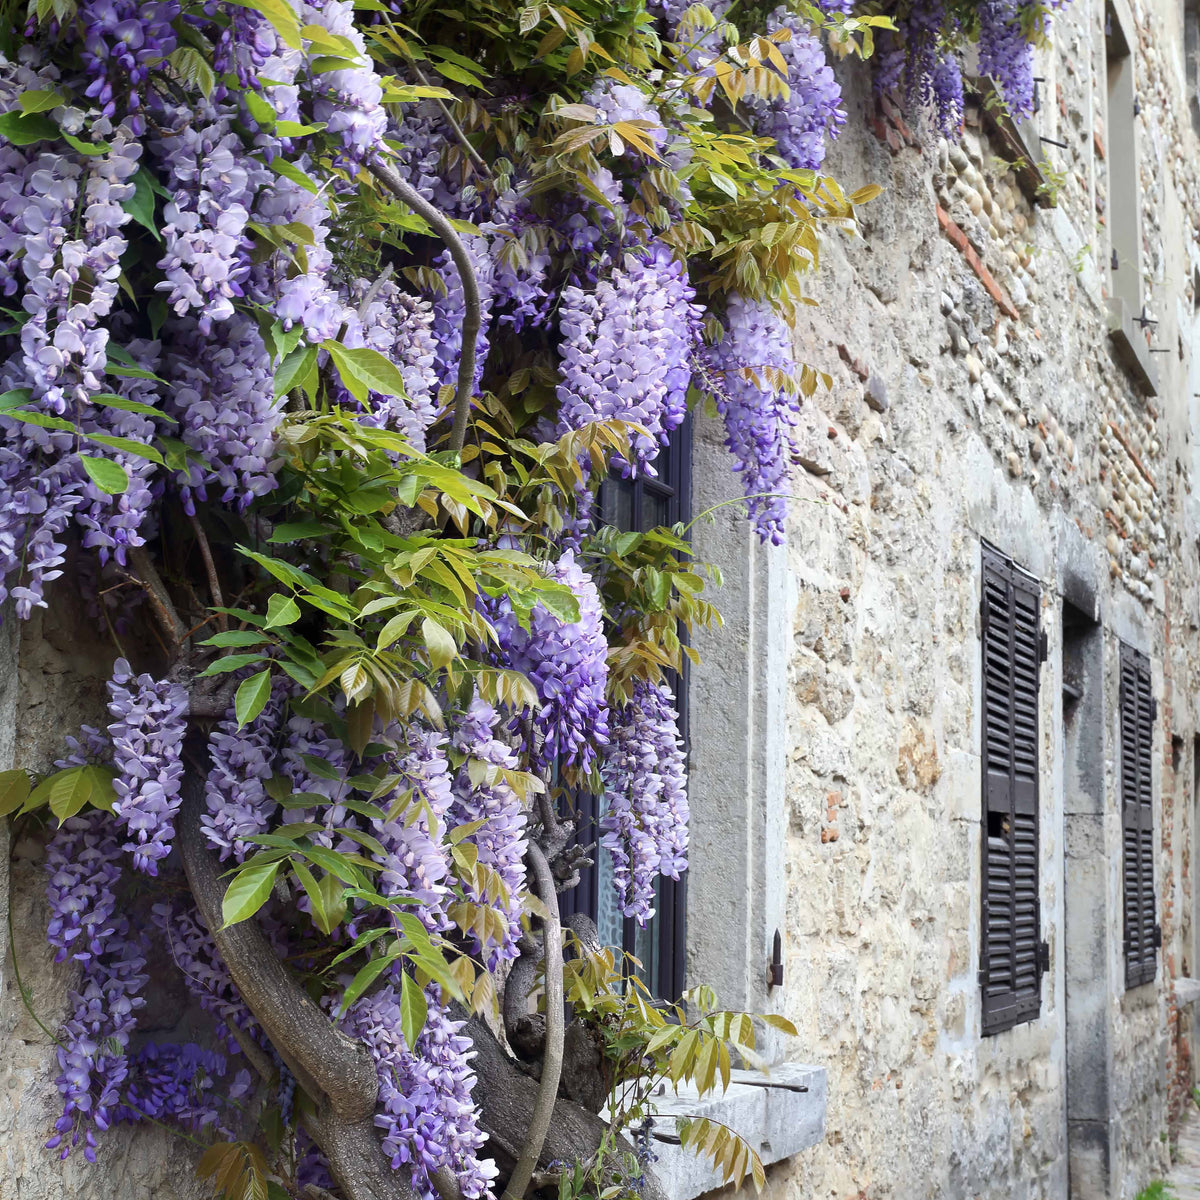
[1126, 287]
[737, 888]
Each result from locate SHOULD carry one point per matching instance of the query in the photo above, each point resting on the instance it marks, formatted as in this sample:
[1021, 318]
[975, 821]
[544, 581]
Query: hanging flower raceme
[626, 348]
[812, 113]
[149, 724]
[645, 826]
[238, 805]
[757, 414]
[83, 863]
[426, 1112]
[567, 663]
[500, 838]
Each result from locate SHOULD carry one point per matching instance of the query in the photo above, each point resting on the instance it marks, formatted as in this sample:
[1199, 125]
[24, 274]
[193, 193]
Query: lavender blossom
[757, 415]
[625, 350]
[82, 861]
[426, 1112]
[567, 663]
[149, 723]
[645, 827]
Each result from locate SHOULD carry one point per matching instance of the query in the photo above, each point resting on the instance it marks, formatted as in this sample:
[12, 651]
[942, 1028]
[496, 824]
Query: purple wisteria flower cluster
[567, 663]
[645, 788]
[757, 415]
[626, 349]
[87, 928]
[427, 1115]
[236, 798]
[500, 840]
[812, 113]
[149, 723]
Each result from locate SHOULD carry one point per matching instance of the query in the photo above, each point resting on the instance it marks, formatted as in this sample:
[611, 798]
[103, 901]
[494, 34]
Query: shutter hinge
[1154, 708]
[1043, 957]
[984, 612]
[1157, 939]
[1043, 646]
[981, 976]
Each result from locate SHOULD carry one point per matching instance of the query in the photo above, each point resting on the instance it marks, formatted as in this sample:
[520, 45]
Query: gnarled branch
[472, 309]
[543, 1109]
[336, 1071]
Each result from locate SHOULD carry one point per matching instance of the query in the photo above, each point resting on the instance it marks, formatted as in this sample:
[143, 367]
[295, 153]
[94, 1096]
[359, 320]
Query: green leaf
[231, 662]
[259, 108]
[69, 790]
[439, 643]
[14, 791]
[295, 367]
[252, 696]
[413, 1010]
[290, 171]
[249, 891]
[24, 129]
[235, 637]
[281, 15]
[41, 100]
[107, 475]
[293, 532]
[365, 370]
[281, 610]
[127, 446]
[316, 897]
[364, 979]
[780, 1023]
[89, 148]
[140, 206]
[112, 400]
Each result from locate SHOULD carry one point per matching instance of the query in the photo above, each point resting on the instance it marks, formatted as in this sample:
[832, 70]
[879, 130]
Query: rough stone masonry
[979, 393]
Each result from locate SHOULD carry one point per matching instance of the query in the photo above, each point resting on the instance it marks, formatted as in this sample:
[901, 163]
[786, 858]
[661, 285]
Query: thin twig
[476, 158]
[160, 599]
[210, 567]
[543, 1109]
[472, 309]
[373, 290]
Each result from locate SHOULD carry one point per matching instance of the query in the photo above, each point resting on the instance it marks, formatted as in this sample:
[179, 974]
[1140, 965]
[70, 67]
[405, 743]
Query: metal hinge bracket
[1043, 957]
[1043, 646]
[1157, 937]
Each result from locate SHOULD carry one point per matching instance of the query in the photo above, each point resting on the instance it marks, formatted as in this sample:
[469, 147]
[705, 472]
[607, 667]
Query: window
[1013, 957]
[1123, 184]
[1138, 712]
[642, 504]
[1191, 58]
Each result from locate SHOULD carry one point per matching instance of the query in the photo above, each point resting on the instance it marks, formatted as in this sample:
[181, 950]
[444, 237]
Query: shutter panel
[1011, 949]
[1137, 818]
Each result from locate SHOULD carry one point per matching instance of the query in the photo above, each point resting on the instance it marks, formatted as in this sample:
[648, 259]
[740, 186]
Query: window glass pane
[656, 510]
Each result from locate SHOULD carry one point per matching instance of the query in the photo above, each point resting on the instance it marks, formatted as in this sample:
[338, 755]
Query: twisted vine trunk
[337, 1072]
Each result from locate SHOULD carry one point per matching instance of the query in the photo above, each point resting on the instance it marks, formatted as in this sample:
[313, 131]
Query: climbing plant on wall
[323, 325]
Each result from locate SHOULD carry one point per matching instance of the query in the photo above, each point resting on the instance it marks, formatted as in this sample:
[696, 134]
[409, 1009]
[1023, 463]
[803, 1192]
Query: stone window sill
[779, 1115]
[1017, 142]
[1130, 346]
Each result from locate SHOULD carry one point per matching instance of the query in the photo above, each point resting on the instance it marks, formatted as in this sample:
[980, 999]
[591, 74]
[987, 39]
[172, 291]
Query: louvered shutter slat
[1137, 817]
[1011, 975]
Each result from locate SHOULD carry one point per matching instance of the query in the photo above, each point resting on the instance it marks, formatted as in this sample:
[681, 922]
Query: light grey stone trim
[779, 1116]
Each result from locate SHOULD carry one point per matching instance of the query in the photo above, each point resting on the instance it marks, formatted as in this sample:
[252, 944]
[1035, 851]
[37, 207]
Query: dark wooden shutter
[641, 504]
[1142, 936]
[1013, 956]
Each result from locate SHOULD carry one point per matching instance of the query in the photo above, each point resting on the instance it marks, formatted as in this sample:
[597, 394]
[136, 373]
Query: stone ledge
[1130, 347]
[1187, 991]
[779, 1115]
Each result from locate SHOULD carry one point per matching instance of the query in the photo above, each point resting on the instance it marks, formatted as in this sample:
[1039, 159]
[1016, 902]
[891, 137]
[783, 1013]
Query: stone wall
[52, 673]
[978, 395]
